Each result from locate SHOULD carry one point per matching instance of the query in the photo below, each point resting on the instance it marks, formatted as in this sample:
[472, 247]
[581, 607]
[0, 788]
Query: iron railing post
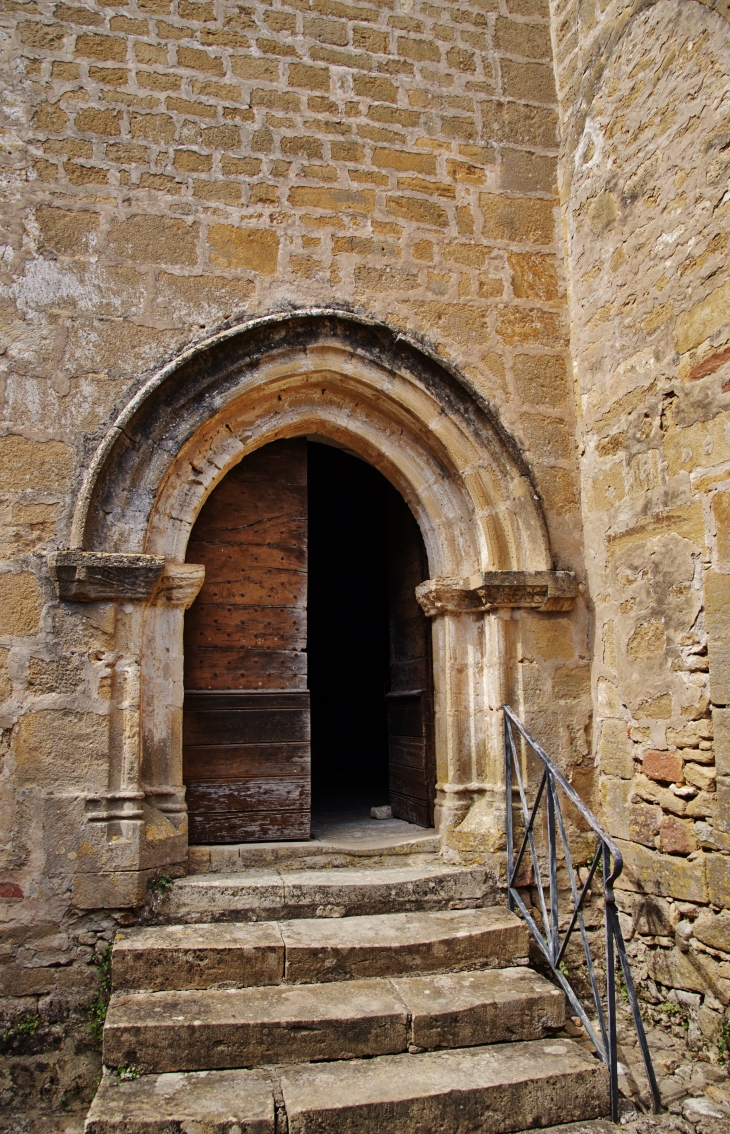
[609, 857]
[508, 806]
[610, 993]
[553, 853]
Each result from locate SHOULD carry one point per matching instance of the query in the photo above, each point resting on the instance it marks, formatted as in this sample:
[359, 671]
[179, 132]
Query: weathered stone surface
[117, 889]
[693, 971]
[666, 767]
[256, 896]
[713, 929]
[83, 576]
[76, 740]
[718, 879]
[542, 590]
[221, 1102]
[40, 466]
[704, 319]
[264, 895]
[20, 604]
[721, 721]
[179, 1031]
[653, 474]
[154, 239]
[184, 957]
[362, 891]
[389, 945]
[650, 872]
[676, 836]
[654, 917]
[231, 247]
[513, 1086]
[614, 806]
[466, 1009]
[616, 750]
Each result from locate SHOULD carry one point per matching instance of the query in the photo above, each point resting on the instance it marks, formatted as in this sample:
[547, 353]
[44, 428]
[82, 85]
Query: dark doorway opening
[306, 640]
[348, 629]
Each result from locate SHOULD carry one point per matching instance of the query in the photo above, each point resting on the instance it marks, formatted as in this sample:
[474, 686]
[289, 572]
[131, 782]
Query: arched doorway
[437, 440]
[307, 657]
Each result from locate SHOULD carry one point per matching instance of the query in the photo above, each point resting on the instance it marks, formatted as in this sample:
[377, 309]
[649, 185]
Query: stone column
[474, 675]
[162, 690]
[123, 840]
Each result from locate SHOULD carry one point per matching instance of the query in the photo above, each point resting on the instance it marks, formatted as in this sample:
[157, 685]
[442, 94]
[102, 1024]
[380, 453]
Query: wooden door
[246, 735]
[410, 699]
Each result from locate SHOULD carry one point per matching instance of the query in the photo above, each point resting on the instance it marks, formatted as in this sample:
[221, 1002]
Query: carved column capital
[93, 576]
[179, 584]
[491, 590]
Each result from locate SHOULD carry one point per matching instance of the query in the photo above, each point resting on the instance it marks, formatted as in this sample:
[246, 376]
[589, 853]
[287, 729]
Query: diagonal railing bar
[542, 941]
[562, 981]
[550, 941]
[529, 839]
[528, 828]
[578, 917]
[579, 900]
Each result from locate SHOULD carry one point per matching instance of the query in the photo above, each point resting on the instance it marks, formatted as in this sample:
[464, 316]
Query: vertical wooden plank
[410, 700]
[246, 740]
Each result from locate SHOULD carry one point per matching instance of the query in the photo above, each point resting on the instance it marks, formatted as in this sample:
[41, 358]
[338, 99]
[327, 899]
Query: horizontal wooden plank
[402, 585]
[249, 795]
[248, 827]
[246, 626]
[226, 561]
[212, 701]
[406, 674]
[407, 781]
[233, 761]
[412, 810]
[407, 752]
[408, 639]
[264, 515]
[251, 682]
[245, 727]
[245, 521]
[227, 668]
[284, 461]
[268, 588]
[405, 716]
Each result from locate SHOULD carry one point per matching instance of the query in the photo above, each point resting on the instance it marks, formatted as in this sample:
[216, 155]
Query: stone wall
[170, 167]
[646, 186]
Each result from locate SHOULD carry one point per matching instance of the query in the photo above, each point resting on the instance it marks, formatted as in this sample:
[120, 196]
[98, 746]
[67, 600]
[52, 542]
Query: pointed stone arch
[410, 413]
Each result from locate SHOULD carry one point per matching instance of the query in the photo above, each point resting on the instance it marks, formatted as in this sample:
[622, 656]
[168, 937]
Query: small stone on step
[701, 1107]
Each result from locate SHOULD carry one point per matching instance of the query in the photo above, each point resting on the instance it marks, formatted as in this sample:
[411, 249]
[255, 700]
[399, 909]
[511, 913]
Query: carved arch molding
[416, 420]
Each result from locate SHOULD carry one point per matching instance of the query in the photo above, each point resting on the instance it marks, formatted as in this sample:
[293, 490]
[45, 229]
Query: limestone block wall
[646, 207]
[169, 166]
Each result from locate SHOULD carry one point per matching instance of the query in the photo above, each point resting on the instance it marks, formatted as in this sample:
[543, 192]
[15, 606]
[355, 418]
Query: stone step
[478, 1090]
[225, 1028]
[311, 950]
[315, 854]
[203, 1102]
[266, 895]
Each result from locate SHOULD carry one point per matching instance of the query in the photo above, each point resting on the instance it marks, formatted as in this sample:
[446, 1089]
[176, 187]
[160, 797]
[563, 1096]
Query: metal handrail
[550, 943]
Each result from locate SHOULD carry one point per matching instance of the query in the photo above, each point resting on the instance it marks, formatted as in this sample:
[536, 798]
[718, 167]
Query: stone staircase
[279, 999]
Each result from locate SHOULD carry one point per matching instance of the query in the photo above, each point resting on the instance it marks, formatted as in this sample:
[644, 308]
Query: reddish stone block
[666, 767]
[676, 836]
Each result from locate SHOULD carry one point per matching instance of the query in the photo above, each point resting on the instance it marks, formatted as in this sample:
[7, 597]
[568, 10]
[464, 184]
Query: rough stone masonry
[538, 196]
